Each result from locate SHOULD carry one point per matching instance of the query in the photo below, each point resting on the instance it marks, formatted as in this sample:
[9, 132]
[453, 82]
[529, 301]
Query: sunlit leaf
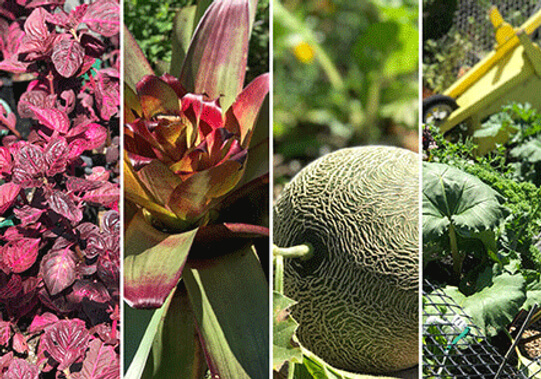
[495, 306]
[58, 270]
[153, 262]
[169, 358]
[216, 61]
[66, 341]
[282, 331]
[136, 65]
[67, 57]
[224, 306]
[451, 196]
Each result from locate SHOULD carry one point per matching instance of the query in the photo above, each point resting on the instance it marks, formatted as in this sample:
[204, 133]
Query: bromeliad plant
[196, 178]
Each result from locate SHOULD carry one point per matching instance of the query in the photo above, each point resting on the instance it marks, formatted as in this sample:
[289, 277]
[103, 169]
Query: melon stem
[304, 251]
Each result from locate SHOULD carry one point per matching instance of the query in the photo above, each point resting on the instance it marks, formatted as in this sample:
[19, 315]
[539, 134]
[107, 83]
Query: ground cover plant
[482, 221]
[196, 189]
[59, 220]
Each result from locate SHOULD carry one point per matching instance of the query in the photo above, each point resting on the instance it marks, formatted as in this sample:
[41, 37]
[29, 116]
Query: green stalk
[300, 251]
[279, 274]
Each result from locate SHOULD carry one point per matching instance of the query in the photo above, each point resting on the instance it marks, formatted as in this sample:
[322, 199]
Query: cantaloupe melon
[358, 294]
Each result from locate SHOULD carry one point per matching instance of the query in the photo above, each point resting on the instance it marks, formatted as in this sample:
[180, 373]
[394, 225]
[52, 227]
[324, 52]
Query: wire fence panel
[455, 348]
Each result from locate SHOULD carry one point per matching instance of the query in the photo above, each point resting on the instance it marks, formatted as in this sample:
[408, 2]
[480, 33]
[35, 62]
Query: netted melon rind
[358, 295]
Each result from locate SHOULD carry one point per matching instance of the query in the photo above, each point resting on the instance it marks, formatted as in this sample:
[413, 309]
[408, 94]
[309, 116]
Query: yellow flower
[304, 52]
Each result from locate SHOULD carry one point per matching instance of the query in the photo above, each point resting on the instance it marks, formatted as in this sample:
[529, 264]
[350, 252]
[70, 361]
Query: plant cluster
[59, 192]
[196, 189]
[482, 218]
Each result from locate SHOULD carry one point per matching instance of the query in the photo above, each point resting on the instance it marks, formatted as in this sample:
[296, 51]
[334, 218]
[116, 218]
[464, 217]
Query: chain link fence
[455, 348]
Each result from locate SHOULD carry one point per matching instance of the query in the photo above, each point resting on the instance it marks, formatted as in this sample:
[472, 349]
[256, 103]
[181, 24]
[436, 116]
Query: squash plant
[196, 190]
[482, 221]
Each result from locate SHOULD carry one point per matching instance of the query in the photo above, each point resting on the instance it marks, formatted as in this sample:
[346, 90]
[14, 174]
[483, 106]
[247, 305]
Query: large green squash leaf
[453, 197]
[495, 306]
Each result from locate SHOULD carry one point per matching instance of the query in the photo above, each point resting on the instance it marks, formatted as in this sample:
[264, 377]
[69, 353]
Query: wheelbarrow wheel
[437, 108]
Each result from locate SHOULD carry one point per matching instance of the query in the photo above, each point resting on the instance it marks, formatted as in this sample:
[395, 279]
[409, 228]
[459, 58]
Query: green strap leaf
[229, 296]
[183, 26]
[216, 61]
[138, 364]
[153, 262]
[176, 350]
[135, 63]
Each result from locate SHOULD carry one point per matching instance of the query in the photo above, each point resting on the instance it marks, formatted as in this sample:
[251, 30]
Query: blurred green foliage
[345, 73]
[151, 23]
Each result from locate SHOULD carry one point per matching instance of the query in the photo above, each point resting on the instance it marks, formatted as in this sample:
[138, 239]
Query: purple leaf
[110, 223]
[41, 3]
[10, 288]
[99, 174]
[104, 195]
[56, 156]
[28, 215]
[52, 118]
[103, 17]
[29, 166]
[19, 343]
[76, 184]
[8, 193]
[35, 24]
[58, 270]
[107, 94]
[20, 255]
[93, 46]
[21, 369]
[5, 333]
[67, 57]
[91, 290]
[40, 322]
[69, 100]
[76, 16]
[88, 136]
[63, 204]
[66, 341]
[101, 362]
[76, 148]
[6, 163]
[93, 242]
[108, 270]
[38, 98]
[5, 360]
[57, 303]
[95, 135]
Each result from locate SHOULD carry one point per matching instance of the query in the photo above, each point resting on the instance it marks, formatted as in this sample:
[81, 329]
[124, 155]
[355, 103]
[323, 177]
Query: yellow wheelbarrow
[511, 72]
